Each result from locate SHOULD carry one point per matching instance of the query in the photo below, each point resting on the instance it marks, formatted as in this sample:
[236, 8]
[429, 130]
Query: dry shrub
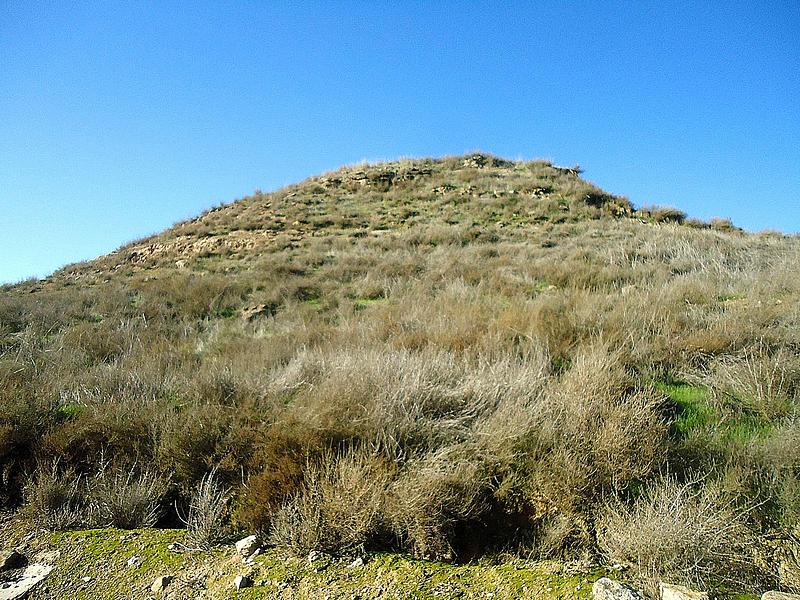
[766, 469]
[663, 214]
[757, 380]
[22, 423]
[190, 442]
[437, 504]
[277, 471]
[683, 532]
[104, 429]
[591, 436]
[341, 505]
[56, 498]
[207, 521]
[102, 342]
[126, 498]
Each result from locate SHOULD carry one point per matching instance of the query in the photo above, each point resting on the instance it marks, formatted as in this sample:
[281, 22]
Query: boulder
[161, 583]
[32, 576]
[246, 546]
[608, 589]
[773, 595]
[242, 581]
[678, 592]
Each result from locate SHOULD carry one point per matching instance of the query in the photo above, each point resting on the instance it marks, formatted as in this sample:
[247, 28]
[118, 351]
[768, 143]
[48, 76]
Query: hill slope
[447, 357]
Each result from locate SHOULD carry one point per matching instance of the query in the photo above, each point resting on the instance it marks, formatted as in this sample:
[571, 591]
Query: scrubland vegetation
[453, 358]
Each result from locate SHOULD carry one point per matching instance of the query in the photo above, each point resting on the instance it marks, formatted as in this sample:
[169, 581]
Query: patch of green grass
[72, 410]
[730, 297]
[698, 415]
[694, 409]
[362, 303]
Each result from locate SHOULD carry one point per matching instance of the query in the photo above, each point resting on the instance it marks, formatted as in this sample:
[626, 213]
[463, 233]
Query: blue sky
[118, 119]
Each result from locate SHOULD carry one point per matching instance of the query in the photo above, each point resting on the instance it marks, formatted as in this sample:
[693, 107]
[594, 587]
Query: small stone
[359, 562]
[161, 583]
[86, 579]
[133, 561]
[608, 589]
[246, 546]
[242, 581]
[678, 592]
[773, 595]
[11, 559]
[314, 556]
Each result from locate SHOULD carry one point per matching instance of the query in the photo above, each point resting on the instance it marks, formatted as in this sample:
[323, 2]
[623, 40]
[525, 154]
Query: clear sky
[118, 119]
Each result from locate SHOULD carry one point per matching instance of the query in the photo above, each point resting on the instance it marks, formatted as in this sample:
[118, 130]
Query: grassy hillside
[451, 358]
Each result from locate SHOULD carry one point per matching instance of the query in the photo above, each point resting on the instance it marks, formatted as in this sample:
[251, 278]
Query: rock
[11, 559]
[242, 581]
[133, 561]
[608, 589]
[161, 583]
[32, 576]
[246, 546]
[772, 595]
[359, 562]
[86, 579]
[678, 592]
[314, 556]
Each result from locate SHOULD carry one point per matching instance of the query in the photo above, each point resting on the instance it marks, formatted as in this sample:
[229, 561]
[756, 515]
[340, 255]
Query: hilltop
[458, 359]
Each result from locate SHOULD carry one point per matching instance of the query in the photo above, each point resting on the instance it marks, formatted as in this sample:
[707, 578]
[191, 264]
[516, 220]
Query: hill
[452, 358]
